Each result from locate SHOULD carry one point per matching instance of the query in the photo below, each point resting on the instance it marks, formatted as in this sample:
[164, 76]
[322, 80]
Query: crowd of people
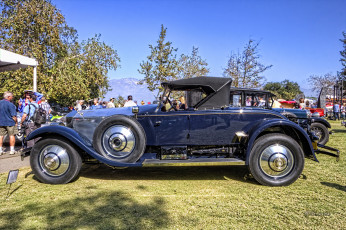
[20, 119]
[96, 104]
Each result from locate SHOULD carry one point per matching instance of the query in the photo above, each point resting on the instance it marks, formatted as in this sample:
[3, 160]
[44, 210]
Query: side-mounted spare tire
[120, 139]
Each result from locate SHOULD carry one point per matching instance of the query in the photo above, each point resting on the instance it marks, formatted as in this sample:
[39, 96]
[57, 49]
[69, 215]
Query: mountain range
[129, 86]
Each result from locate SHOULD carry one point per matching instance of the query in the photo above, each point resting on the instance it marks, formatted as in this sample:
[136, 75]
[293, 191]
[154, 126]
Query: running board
[193, 162]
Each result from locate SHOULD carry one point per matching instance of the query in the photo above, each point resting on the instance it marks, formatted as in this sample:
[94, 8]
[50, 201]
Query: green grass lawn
[181, 198]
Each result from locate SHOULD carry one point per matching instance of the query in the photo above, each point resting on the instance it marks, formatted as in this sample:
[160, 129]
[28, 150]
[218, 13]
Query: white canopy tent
[13, 61]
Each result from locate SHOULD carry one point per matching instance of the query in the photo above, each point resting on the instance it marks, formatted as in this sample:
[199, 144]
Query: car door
[215, 127]
[172, 128]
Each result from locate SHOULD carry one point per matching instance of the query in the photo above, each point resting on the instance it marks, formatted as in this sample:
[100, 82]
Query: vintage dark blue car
[209, 131]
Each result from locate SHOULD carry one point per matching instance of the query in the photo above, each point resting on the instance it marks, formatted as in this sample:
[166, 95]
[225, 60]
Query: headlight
[135, 109]
[308, 113]
[315, 114]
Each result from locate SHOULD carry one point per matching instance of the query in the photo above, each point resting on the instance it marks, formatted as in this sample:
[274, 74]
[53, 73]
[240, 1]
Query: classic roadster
[209, 131]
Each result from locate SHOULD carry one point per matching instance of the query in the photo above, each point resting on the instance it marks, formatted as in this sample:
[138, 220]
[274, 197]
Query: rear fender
[78, 140]
[294, 130]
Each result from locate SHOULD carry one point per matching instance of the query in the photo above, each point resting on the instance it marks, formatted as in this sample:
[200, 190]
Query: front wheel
[276, 160]
[55, 161]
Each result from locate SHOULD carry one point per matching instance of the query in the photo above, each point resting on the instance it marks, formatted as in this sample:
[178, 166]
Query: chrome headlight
[135, 109]
[315, 114]
[308, 113]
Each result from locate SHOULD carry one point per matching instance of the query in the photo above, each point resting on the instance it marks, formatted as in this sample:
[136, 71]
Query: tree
[84, 70]
[30, 28]
[285, 89]
[192, 66]
[317, 82]
[161, 65]
[96, 60]
[245, 68]
[119, 101]
[67, 71]
[343, 57]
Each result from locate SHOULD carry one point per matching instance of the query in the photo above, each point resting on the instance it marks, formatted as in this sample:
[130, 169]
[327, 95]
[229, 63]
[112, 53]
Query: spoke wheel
[321, 132]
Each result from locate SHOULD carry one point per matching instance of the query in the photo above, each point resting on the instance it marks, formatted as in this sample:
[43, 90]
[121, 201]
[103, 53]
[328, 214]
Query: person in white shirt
[79, 105]
[110, 104]
[129, 102]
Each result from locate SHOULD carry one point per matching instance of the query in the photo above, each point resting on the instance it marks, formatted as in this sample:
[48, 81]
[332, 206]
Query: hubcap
[54, 160]
[276, 160]
[118, 141]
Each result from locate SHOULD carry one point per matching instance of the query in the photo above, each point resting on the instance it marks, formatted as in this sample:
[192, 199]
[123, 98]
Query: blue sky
[299, 38]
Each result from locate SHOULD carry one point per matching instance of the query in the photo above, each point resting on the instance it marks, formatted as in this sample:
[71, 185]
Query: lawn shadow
[104, 172]
[13, 191]
[339, 130]
[334, 185]
[97, 209]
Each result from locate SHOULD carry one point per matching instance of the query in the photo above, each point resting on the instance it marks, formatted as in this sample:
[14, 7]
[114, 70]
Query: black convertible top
[253, 91]
[207, 84]
[216, 89]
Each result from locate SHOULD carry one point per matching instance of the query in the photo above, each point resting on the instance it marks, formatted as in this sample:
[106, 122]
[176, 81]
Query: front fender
[322, 121]
[258, 128]
[78, 140]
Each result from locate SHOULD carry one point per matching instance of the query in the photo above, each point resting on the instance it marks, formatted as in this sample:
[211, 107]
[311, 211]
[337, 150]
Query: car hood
[88, 113]
[300, 113]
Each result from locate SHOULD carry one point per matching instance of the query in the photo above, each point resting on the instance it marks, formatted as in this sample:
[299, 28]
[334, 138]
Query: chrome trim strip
[199, 114]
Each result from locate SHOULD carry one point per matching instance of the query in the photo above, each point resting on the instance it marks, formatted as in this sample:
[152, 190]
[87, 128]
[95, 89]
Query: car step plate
[193, 162]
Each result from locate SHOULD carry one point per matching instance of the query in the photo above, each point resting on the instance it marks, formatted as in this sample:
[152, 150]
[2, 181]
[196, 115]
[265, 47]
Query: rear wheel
[321, 131]
[276, 160]
[55, 161]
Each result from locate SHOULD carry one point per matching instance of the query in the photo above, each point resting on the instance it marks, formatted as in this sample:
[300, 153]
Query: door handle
[158, 123]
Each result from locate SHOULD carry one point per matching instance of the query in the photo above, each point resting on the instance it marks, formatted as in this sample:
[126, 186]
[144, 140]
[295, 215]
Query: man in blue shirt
[8, 121]
[336, 110]
[25, 100]
[26, 120]
[96, 104]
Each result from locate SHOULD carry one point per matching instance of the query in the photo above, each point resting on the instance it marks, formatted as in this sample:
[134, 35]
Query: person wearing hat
[25, 100]
[26, 120]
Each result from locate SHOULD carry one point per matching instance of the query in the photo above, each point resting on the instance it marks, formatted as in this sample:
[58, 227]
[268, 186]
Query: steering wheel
[169, 101]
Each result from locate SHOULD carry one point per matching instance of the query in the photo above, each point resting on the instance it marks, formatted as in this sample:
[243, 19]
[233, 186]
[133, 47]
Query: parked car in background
[209, 131]
[243, 97]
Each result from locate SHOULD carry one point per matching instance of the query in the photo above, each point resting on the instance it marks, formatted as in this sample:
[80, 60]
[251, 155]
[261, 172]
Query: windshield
[180, 99]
